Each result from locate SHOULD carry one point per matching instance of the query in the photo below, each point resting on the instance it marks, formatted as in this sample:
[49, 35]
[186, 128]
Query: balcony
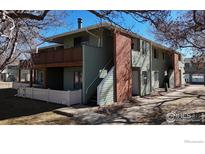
[71, 57]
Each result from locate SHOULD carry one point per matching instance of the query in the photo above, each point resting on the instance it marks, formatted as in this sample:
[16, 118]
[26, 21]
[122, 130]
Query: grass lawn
[12, 106]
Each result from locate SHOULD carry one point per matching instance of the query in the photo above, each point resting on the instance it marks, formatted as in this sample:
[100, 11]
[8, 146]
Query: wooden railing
[60, 56]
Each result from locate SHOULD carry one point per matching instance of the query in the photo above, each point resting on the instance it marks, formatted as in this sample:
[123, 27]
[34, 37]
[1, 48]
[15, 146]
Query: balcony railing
[60, 57]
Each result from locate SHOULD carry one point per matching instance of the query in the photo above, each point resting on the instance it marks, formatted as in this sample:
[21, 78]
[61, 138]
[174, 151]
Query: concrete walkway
[181, 103]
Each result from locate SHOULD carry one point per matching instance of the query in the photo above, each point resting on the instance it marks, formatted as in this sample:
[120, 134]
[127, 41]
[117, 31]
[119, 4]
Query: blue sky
[89, 19]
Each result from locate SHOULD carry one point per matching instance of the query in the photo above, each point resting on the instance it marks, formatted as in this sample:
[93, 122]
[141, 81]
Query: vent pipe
[79, 23]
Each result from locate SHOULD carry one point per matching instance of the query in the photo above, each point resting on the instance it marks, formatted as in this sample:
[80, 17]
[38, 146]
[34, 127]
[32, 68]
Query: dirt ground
[181, 106]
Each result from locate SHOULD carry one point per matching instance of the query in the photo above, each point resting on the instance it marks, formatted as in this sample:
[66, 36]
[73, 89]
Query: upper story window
[132, 45]
[78, 41]
[155, 54]
[136, 44]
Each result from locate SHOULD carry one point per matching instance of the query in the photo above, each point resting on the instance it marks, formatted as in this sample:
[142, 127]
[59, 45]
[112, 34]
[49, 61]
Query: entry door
[135, 82]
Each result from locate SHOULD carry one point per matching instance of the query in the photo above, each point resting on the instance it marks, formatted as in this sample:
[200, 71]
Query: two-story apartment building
[107, 63]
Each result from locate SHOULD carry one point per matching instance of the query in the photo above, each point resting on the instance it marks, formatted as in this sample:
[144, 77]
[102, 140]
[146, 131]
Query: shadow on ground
[12, 106]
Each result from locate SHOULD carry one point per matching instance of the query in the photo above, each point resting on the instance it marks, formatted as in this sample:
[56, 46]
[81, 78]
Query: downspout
[37, 46]
[96, 36]
[37, 49]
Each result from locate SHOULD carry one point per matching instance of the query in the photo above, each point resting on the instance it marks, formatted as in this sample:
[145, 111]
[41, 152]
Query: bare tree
[182, 29]
[20, 31]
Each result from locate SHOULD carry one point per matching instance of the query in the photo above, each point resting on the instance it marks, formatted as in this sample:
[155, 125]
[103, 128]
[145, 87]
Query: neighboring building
[15, 73]
[10, 73]
[195, 70]
[107, 63]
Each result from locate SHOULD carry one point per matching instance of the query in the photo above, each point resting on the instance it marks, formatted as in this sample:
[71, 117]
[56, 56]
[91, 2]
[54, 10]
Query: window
[78, 41]
[156, 76]
[77, 80]
[136, 44]
[144, 76]
[132, 45]
[155, 54]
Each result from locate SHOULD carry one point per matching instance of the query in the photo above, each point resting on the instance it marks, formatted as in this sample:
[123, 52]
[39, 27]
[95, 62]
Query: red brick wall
[176, 70]
[123, 67]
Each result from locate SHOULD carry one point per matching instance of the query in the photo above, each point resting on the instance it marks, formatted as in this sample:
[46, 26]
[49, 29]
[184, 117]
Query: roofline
[114, 27]
[50, 46]
[135, 35]
[100, 25]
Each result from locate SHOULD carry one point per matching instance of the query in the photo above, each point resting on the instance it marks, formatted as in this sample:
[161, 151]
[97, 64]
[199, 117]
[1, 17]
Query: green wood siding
[143, 62]
[68, 77]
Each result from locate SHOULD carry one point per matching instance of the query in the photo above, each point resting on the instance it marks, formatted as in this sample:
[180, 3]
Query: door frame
[138, 70]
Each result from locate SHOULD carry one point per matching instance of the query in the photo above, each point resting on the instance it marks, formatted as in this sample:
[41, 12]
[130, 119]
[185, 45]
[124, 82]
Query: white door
[135, 83]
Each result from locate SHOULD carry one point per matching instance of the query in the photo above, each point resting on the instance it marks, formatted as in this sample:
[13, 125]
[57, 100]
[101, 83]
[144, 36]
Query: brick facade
[176, 70]
[123, 71]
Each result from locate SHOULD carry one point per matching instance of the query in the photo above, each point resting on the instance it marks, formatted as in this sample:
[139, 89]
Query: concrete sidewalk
[145, 110]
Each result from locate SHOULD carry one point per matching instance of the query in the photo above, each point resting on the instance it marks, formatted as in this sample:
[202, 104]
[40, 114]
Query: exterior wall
[181, 67]
[95, 38]
[94, 59]
[176, 70]
[171, 79]
[158, 65]
[105, 90]
[143, 62]
[68, 42]
[68, 77]
[123, 71]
